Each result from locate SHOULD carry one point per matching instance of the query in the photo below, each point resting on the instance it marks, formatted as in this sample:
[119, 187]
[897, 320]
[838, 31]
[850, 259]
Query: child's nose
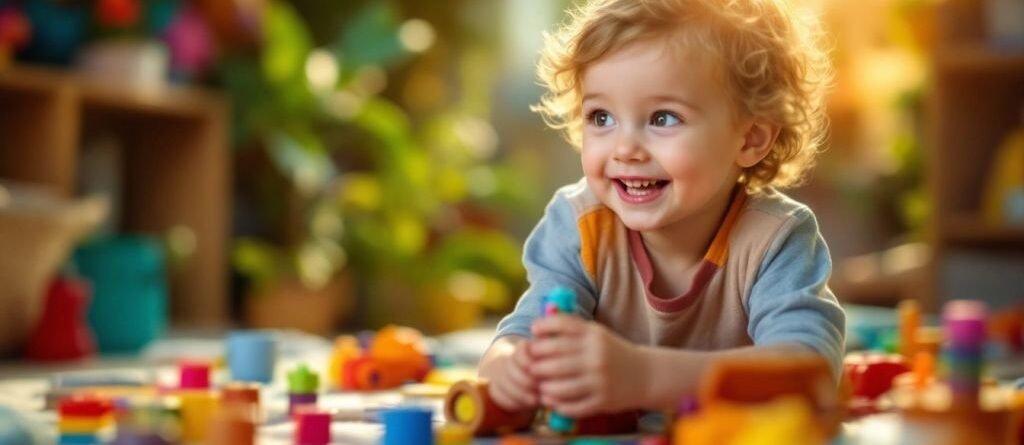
[630, 148]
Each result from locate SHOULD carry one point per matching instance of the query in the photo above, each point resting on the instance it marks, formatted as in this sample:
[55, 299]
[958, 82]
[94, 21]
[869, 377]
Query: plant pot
[287, 304]
[447, 313]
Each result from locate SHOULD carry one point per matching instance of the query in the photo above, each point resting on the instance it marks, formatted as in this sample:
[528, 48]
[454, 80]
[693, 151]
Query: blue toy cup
[407, 426]
[250, 356]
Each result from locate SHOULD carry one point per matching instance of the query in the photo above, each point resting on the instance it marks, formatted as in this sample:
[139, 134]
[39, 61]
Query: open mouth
[641, 187]
[639, 191]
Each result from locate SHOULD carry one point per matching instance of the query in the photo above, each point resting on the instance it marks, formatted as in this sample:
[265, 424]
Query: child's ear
[757, 142]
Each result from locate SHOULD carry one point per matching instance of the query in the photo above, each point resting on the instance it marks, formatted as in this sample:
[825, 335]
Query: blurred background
[335, 166]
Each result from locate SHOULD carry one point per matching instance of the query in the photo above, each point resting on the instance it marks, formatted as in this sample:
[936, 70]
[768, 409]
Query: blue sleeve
[790, 301]
[552, 258]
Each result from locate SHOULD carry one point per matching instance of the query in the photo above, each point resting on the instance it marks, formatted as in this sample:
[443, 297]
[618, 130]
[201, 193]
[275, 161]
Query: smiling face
[661, 142]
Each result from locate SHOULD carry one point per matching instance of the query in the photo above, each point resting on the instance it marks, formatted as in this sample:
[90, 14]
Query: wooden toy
[469, 404]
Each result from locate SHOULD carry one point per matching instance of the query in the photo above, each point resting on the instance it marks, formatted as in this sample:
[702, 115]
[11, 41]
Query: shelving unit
[175, 164]
[976, 100]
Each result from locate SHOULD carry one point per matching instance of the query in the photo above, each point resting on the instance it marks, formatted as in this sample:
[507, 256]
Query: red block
[85, 405]
[872, 375]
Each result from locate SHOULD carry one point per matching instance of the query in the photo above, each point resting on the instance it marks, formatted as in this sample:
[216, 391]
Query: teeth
[632, 191]
[638, 184]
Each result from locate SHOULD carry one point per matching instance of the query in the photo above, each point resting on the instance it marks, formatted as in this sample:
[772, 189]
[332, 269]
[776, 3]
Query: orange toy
[786, 420]
[910, 321]
[760, 380]
[469, 404]
[396, 356]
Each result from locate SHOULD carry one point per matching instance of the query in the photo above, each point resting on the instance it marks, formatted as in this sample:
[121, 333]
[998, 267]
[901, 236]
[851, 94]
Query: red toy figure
[15, 31]
[62, 333]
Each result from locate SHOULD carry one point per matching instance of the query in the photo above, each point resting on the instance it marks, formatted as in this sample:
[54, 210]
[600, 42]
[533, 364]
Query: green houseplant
[412, 206]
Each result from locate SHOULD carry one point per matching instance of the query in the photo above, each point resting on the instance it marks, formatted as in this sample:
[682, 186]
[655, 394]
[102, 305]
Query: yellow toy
[197, 408]
[1003, 199]
[761, 380]
[787, 420]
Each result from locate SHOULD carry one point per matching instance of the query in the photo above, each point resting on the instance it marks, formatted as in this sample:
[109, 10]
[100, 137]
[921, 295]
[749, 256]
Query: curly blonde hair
[772, 58]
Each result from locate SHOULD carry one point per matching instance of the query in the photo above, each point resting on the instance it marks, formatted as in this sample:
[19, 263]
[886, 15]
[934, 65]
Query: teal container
[129, 283]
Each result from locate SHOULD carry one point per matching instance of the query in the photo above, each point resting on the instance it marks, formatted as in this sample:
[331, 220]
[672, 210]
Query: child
[688, 115]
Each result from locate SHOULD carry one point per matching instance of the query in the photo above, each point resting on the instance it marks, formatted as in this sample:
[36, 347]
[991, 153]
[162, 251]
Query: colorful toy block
[303, 385]
[194, 374]
[872, 374]
[232, 425]
[250, 356]
[312, 426]
[82, 417]
[452, 434]
[197, 407]
[407, 426]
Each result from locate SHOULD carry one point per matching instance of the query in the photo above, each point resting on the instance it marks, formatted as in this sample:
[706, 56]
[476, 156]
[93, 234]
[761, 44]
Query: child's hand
[512, 387]
[585, 369]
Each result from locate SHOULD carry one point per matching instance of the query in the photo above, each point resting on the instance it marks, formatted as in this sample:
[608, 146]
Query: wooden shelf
[186, 102]
[974, 100]
[979, 58]
[969, 230]
[176, 169]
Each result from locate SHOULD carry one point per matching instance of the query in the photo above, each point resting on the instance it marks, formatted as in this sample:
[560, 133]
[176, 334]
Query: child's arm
[790, 302]
[673, 372]
[586, 369]
[552, 259]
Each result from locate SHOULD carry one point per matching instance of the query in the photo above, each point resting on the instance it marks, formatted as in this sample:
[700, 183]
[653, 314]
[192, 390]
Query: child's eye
[601, 118]
[664, 119]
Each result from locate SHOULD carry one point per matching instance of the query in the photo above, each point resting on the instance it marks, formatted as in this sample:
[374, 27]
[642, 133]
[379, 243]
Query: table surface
[23, 386]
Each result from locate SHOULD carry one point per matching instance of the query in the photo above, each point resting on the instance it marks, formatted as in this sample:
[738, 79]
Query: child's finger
[566, 389]
[510, 399]
[558, 324]
[553, 346]
[521, 356]
[521, 378]
[556, 367]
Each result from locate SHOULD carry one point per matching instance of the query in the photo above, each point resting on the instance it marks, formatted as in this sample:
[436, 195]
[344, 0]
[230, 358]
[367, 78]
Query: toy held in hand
[561, 300]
